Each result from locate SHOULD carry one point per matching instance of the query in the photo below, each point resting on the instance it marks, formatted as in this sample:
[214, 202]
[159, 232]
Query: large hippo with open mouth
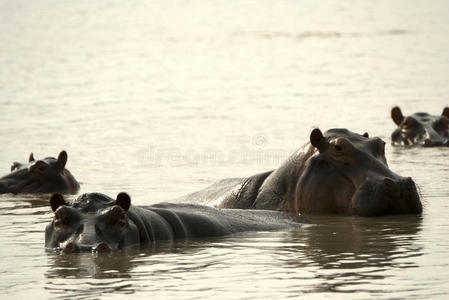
[96, 222]
[47, 175]
[420, 129]
[338, 172]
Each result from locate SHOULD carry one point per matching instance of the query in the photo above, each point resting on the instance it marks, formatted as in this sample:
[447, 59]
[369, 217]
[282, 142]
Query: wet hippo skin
[338, 172]
[47, 175]
[96, 222]
[420, 129]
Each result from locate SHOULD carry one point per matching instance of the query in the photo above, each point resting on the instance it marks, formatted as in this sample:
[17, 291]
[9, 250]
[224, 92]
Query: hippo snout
[388, 195]
[409, 197]
[402, 196]
[72, 247]
[102, 247]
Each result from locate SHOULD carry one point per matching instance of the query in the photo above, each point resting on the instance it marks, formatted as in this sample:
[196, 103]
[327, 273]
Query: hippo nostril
[70, 247]
[427, 143]
[409, 181]
[102, 247]
[389, 182]
[80, 229]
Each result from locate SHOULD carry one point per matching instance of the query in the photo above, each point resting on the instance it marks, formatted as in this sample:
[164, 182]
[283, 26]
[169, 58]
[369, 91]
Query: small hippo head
[93, 222]
[347, 173]
[420, 129]
[47, 175]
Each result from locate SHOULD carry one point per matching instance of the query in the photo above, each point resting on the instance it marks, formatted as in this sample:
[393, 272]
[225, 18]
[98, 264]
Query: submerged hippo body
[96, 222]
[420, 129]
[47, 175]
[340, 172]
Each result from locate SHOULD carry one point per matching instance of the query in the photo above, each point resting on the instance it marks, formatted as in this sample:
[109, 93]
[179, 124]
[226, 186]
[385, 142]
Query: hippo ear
[15, 165]
[446, 111]
[31, 158]
[396, 115]
[62, 160]
[366, 135]
[318, 140]
[56, 201]
[123, 200]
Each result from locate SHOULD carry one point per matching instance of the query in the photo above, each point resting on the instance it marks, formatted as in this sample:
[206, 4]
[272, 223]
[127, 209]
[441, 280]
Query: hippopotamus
[98, 223]
[420, 129]
[338, 172]
[47, 175]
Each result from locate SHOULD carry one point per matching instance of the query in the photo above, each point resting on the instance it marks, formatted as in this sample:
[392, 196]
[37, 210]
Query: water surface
[160, 99]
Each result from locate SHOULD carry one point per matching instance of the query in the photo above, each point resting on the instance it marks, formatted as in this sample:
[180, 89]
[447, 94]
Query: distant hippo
[420, 129]
[340, 172]
[47, 175]
[96, 222]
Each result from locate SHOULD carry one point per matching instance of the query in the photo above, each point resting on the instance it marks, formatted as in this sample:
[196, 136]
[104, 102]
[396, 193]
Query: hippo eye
[117, 217]
[60, 218]
[39, 167]
[409, 122]
[64, 216]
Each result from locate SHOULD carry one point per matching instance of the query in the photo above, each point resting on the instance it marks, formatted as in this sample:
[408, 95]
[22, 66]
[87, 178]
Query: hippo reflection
[420, 129]
[47, 175]
[340, 172]
[95, 222]
[355, 248]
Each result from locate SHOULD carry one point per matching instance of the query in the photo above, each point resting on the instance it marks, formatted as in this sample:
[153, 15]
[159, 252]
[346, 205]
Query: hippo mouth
[350, 192]
[404, 138]
[31, 187]
[26, 187]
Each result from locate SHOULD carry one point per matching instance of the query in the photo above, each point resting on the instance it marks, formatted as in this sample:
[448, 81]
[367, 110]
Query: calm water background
[163, 98]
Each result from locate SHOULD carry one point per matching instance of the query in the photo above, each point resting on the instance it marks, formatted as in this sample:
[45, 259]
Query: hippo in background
[420, 129]
[47, 175]
[340, 172]
[98, 223]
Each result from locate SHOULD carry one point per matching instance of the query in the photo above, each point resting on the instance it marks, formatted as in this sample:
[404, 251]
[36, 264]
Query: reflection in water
[112, 268]
[118, 272]
[358, 249]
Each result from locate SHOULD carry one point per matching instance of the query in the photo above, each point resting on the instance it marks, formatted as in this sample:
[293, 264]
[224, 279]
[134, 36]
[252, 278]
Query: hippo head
[47, 175]
[420, 129]
[347, 173]
[93, 222]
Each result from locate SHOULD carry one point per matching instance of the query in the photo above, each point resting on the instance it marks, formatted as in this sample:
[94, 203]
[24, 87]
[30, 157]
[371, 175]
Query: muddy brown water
[164, 98]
